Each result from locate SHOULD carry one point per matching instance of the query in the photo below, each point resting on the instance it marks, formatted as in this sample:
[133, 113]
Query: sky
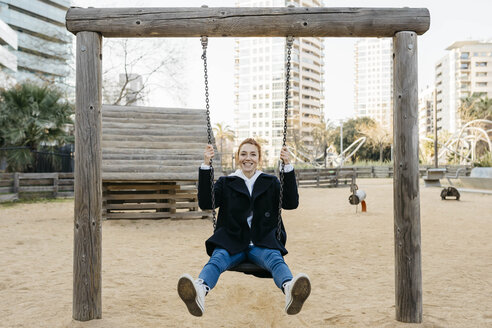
[450, 21]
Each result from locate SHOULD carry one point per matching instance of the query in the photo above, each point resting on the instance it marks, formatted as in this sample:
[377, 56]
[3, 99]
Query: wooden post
[408, 275]
[55, 186]
[16, 183]
[88, 183]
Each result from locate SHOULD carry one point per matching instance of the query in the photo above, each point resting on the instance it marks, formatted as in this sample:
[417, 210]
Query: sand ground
[349, 257]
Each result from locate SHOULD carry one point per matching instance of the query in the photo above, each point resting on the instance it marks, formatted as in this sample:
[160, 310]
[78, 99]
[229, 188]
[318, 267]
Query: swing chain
[204, 41]
[289, 42]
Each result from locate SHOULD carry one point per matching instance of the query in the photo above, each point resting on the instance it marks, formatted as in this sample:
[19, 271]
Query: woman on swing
[246, 227]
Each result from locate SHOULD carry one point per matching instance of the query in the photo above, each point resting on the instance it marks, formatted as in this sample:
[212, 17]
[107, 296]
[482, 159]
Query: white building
[8, 60]
[465, 70]
[260, 85]
[426, 111]
[44, 44]
[373, 80]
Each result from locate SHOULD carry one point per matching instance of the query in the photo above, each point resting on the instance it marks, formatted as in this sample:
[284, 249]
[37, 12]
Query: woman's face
[248, 159]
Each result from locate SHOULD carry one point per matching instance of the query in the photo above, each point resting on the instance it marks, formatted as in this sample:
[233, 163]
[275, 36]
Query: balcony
[37, 26]
[48, 66]
[42, 9]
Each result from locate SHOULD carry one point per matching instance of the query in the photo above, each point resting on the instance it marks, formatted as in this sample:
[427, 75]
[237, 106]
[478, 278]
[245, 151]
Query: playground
[348, 255]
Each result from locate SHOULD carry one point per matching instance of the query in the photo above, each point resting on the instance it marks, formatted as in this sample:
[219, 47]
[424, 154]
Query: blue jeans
[269, 259]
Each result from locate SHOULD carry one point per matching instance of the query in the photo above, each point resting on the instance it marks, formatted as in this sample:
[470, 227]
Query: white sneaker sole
[300, 292]
[187, 292]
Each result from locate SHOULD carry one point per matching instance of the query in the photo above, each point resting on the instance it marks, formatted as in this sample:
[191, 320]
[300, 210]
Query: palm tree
[32, 117]
[321, 139]
[223, 132]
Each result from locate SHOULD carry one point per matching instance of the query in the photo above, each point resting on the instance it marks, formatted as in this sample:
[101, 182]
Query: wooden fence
[31, 185]
[175, 199]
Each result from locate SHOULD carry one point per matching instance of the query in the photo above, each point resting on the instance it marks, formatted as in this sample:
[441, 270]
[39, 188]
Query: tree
[223, 133]
[134, 68]
[352, 130]
[378, 136]
[475, 107]
[32, 118]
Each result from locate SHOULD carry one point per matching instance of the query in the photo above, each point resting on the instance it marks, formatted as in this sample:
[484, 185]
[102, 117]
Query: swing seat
[252, 269]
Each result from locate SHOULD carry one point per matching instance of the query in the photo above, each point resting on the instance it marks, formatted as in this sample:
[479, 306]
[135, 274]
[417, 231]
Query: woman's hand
[284, 155]
[208, 154]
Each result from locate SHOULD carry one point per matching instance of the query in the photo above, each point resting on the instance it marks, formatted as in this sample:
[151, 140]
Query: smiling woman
[247, 228]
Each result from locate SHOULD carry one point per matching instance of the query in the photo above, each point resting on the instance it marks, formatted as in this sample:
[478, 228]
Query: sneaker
[296, 292]
[193, 294]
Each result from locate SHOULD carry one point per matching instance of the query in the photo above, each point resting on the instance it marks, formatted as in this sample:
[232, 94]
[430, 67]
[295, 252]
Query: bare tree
[133, 68]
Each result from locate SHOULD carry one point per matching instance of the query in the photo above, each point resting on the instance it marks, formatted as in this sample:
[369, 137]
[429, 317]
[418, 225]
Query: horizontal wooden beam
[248, 22]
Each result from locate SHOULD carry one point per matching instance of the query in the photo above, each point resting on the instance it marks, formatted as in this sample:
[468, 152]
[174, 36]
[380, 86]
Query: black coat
[232, 197]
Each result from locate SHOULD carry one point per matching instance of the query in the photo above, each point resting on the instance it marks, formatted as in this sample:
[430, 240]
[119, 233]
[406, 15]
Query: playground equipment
[92, 24]
[358, 196]
[336, 160]
[463, 143]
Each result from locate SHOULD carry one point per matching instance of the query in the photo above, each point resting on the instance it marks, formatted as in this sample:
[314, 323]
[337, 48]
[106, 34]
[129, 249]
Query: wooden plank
[133, 167]
[146, 138]
[7, 176]
[248, 22]
[408, 278]
[8, 198]
[87, 304]
[38, 175]
[4, 190]
[158, 110]
[197, 146]
[36, 189]
[149, 196]
[155, 215]
[150, 157]
[65, 175]
[189, 164]
[143, 206]
[149, 186]
[154, 120]
[152, 132]
[148, 126]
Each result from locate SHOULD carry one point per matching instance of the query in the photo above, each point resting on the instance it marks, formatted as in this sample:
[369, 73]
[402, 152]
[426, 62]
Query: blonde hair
[250, 141]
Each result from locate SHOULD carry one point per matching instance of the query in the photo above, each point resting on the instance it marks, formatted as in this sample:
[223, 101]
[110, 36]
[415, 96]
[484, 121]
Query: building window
[481, 74]
[481, 84]
[481, 64]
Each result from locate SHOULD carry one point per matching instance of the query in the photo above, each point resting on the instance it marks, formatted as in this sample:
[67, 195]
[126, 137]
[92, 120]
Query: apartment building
[465, 70]
[426, 111]
[373, 90]
[260, 86]
[8, 60]
[44, 46]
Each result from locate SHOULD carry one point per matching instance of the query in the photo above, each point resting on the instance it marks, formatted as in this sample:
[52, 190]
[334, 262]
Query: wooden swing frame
[91, 24]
